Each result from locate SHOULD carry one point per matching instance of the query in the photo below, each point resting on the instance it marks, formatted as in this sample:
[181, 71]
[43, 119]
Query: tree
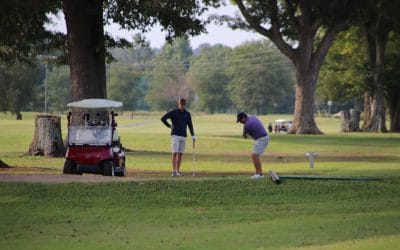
[392, 80]
[17, 84]
[140, 54]
[86, 40]
[261, 77]
[136, 63]
[209, 77]
[59, 88]
[22, 32]
[377, 20]
[343, 73]
[168, 78]
[125, 85]
[303, 31]
[355, 69]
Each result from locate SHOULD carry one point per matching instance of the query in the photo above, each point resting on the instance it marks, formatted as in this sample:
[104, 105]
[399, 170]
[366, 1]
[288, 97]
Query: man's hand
[193, 138]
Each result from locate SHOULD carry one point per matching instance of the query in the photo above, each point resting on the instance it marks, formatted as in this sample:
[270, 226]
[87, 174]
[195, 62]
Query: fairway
[219, 207]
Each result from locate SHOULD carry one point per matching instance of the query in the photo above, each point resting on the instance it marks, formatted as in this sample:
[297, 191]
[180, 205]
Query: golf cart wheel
[108, 168]
[122, 172]
[69, 167]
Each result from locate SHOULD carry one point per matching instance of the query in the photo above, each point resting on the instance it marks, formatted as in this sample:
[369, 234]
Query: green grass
[219, 211]
[231, 213]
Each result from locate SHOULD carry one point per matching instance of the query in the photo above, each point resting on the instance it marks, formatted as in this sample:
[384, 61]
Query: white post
[329, 108]
[311, 157]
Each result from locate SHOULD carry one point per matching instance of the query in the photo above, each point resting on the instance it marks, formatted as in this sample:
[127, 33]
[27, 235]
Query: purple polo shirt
[254, 128]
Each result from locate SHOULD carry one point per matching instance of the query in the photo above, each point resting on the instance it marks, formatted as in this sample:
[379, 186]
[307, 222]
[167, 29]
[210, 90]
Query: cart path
[38, 175]
[58, 178]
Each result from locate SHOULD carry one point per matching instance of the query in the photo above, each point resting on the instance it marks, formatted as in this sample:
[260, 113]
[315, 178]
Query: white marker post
[311, 157]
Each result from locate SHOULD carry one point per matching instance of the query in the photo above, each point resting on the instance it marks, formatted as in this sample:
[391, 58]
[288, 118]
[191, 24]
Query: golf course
[350, 199]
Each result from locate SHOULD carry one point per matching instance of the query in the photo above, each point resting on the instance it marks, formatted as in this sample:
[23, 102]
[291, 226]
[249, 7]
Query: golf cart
[93, 142]
[282, 125]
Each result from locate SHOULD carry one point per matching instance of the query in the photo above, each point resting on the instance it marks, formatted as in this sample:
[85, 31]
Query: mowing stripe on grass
[330, 178]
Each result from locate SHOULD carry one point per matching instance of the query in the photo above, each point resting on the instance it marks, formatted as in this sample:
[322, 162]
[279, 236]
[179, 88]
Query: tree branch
[323, 48]
[272, 33]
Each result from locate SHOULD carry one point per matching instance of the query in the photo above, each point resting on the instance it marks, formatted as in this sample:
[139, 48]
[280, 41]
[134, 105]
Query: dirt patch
[49, 175]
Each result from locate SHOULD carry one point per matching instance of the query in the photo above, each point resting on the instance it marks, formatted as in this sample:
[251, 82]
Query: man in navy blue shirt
[181, 119]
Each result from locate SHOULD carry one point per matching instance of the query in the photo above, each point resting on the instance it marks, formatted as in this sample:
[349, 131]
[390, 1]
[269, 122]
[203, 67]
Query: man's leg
[257, 163]
[174, 162]
[178, 162]
[181, 149]
[259, 148]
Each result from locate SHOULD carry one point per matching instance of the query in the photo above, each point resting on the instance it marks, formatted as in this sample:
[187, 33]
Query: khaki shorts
[178, 144]
[260, 145]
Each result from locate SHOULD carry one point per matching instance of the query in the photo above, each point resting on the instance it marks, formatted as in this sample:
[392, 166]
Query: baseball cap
[240, 116]
[182, 101]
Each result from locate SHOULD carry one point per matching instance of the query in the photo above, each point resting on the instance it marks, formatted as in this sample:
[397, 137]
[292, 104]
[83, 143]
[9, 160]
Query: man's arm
[165, 118]
[244, 132]
[190, 125]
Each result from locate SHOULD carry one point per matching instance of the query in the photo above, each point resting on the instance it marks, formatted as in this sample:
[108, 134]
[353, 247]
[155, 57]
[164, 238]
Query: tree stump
[47, 139]
[351, 120]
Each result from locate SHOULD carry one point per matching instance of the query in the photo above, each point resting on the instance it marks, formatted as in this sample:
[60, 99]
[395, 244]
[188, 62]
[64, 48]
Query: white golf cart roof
[283, 121]
[94, 103]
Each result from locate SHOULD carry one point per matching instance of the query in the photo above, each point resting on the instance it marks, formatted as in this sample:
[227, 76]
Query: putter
[194, 158]
[274, 177]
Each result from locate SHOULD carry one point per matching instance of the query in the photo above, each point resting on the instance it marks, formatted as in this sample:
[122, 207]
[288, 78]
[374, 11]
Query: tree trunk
[85, 32]
[367, 109]
[304, 122]
[377, 117]
[47, 139]
[351, 120]
[376, 35]
[394, 109]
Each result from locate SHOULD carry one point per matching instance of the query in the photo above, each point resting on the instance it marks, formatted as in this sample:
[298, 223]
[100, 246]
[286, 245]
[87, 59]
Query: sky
[216, 34]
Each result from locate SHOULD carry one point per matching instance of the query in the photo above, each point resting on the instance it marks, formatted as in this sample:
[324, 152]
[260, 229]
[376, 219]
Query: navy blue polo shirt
[180, 120]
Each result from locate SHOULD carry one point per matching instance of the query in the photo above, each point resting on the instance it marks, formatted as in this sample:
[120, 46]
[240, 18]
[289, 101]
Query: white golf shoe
[257, 176]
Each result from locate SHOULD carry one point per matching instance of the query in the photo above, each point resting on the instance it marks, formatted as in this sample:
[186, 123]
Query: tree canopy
[261, 77]
[209, 77]
[17, 84]
[168, 77]
[22, 31]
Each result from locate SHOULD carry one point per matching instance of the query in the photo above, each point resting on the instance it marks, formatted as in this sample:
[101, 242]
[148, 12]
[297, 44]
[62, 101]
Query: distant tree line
[253, 77]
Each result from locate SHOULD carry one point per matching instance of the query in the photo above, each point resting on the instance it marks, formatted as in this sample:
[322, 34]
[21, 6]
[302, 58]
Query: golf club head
[274, 177]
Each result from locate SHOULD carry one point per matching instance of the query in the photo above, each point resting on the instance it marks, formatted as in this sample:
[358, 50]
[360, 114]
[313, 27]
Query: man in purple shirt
[253, 126]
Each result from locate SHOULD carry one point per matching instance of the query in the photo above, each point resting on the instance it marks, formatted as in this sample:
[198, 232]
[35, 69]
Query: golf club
[277, 179]
[194, 158]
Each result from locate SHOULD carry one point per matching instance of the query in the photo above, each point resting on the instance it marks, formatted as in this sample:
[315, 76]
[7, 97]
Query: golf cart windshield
[90, 135]
[282, 125]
